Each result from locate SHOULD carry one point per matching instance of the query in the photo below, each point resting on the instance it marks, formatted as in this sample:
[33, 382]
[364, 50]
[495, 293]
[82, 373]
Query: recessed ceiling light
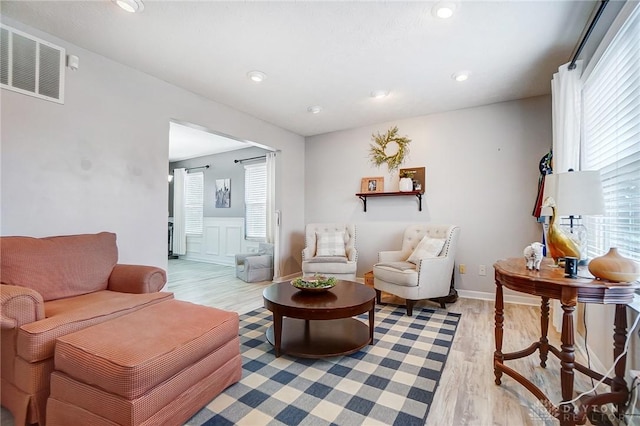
[314, 109]
[443, 9]
[256, 76]
[461, 76]
[131, 6]
[379, 94]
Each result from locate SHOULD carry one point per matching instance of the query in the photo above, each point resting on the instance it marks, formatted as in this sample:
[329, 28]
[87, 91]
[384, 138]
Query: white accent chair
[330, 250]
[256, 267]
[429, 278]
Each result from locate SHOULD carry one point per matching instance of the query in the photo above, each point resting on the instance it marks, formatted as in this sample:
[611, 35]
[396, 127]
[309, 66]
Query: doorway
[213, 213]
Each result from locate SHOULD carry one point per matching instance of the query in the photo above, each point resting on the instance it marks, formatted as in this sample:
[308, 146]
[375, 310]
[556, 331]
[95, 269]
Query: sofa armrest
[392, 256]
[259, 262]
[137, 279]
[436, 271]
[307, 253]
[241, 257]
[20, 305]
[352, 254]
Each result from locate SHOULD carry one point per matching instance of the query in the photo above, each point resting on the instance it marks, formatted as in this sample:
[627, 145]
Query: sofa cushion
[58, 267]
[130, 355]
[330, 244]
[36, 340]
[399, 273]
[427, 247]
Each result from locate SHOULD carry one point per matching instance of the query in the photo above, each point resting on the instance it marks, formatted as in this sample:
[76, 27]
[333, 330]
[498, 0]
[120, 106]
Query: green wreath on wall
[382, 143]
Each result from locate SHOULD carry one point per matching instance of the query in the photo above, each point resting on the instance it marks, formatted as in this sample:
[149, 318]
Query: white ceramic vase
[406, 184]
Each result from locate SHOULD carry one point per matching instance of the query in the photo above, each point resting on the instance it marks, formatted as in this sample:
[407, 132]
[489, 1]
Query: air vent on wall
[30, 65]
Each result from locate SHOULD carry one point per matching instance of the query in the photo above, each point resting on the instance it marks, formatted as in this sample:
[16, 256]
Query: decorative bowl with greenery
[314, 283]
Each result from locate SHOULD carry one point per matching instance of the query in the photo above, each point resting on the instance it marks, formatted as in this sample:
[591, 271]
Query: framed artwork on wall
[223, 193]
[372, 184]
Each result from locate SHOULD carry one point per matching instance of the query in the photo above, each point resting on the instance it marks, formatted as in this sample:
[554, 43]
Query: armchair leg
[410, 304]
[378, 296]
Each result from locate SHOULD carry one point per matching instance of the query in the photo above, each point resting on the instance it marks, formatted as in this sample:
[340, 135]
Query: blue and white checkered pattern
[389, 383]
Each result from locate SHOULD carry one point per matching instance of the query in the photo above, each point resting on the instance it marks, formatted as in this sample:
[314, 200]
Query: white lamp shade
[575, 193]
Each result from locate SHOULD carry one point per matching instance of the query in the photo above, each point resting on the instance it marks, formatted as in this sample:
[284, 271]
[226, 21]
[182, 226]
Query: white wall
[99, 162]
[481, 174]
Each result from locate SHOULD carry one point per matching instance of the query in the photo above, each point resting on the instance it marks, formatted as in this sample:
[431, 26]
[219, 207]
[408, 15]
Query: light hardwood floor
[466, 394]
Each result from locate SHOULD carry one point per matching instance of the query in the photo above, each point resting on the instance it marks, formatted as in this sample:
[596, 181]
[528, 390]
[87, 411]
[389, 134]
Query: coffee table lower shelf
[321, 338]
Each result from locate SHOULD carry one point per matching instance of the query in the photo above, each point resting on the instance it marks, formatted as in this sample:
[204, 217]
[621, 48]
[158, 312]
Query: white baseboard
[508, 298]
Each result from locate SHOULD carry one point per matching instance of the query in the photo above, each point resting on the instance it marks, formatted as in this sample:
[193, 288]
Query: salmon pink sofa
[52, 287]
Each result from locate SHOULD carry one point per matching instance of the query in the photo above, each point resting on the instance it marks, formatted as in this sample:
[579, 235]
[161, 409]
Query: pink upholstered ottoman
[159, 365]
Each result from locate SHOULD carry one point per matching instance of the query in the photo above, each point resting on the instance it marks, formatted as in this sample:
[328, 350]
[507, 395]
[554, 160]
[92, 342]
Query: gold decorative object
[558, 243]
[378, 152]
[615, 267]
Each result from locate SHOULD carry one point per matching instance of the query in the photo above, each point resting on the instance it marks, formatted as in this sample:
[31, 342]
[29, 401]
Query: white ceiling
[188, 141]
[331, 54]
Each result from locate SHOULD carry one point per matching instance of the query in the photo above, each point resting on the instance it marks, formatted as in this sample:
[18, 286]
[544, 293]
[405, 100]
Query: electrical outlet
[482, 270]
[635, 374]
[463, 268]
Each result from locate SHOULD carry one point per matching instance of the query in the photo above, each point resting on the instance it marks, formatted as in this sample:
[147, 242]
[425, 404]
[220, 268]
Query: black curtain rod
[247, 159]
[206, 166]
[603, 4]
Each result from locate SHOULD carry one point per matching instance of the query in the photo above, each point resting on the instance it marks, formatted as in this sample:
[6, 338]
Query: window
[611, 141]
[194, 202]
[255, 201]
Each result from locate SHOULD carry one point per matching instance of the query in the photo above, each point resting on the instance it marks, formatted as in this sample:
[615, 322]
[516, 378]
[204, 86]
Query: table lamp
[576, 193]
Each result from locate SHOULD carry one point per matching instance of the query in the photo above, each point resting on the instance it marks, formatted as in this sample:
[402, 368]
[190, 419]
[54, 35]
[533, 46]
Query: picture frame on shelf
[418, 175]
[372, 184]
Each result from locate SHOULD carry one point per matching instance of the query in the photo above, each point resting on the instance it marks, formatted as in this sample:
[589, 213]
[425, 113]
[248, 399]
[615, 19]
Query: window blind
[611, 141]
[255, 200]
[194, 202]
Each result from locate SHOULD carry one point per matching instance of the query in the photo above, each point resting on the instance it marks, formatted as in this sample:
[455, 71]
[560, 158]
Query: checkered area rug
[391, 382]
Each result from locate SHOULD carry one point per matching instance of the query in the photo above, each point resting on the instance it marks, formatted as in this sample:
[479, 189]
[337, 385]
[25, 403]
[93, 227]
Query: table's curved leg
[567, 360]
[619, 339]
[544, 328]
[499, 318]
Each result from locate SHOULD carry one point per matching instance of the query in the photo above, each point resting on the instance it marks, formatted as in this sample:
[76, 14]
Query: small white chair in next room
[256, 267]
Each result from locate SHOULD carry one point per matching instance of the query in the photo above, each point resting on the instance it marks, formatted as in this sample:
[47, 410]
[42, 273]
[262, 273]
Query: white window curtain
[255, 199]
[273, 216]
[566, 105]
[611, 141]
[270, 192]
[565, 91]
[179, 232]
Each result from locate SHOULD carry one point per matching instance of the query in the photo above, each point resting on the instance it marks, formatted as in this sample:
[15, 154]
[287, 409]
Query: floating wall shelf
[364, 195]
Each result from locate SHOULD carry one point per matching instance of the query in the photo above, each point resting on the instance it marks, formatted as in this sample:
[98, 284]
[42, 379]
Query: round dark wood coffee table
[316, 325]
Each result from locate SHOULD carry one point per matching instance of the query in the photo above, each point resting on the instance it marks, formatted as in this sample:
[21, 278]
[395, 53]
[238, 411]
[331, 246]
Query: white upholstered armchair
[255, 267]
[423, 268]
[330, 250]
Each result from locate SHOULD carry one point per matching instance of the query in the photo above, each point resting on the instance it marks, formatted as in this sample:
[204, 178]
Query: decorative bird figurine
[558, 243]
